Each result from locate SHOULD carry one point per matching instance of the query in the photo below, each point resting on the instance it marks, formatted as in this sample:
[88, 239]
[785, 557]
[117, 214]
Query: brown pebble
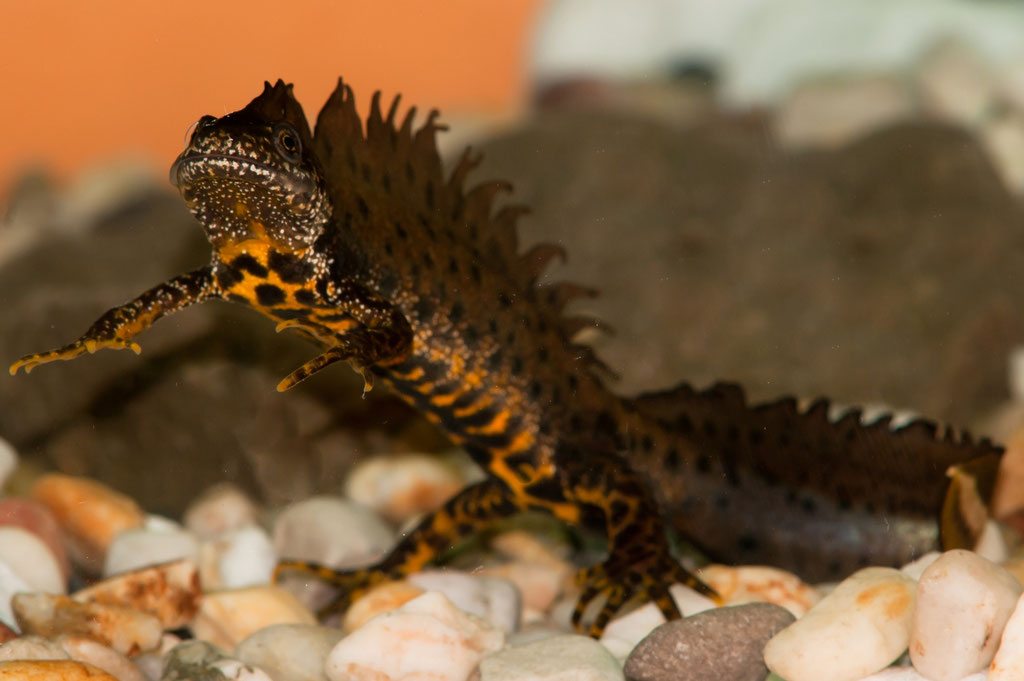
[723, 643]
[37, 519]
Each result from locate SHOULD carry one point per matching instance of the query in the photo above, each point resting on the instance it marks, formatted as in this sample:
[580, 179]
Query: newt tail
[352, 235]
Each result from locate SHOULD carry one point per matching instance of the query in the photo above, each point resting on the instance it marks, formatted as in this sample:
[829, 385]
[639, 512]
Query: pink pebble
[37, 519]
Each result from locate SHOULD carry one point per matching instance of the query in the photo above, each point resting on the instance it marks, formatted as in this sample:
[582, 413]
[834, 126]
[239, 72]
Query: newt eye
[287, 142]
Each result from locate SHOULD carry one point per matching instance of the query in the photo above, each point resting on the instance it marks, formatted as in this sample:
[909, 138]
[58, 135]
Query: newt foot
[72, 350]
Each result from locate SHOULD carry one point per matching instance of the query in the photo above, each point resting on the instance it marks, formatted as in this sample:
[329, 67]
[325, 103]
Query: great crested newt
[353, 236]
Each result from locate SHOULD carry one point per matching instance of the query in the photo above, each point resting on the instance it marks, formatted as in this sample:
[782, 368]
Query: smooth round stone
[559, 658]
[221, 508]
[138, 548]
[89, 512]
[32, 647]
[757, 584]
[290, 652]
[170, 592]
[31, 559]
[227, 617]
[125, 630]
[102, 657]
[51, 670]
[238, 558]
[915, 568]
[725, 643]
[427, 638]
[331, 531]
[963, 603]
[403, 486]
[492, 599]
[1008, 664]
[857, 629]
[37, 519]
[624, 632]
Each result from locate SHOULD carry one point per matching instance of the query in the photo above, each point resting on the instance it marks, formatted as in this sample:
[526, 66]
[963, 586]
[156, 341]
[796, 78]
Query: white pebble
[242, 557]
[32, 647]
[158, 542]
[1008, 664]
[560, 658]
[963, 603]
[225, 618]
[31, 559]
[221, 508]
[916, 568]
[856, 630]
[427, 638]
[331, 531]
[289, 652]
[490, 598]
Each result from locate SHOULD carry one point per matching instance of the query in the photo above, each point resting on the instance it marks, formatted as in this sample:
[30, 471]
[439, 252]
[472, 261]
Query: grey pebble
[724, 643]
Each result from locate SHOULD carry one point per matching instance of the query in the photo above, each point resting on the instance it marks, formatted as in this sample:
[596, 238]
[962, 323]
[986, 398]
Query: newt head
[252, 174]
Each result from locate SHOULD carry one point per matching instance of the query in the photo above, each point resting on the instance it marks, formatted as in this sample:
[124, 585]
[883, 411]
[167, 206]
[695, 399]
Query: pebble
[37, 519]
[89, 512]
[225, 618]
[102, 657]
[916, 568]
[539, 583]
[963, 603]
[378, 600]
[290, 652]
[125, 630]
[560, 658]
[1008, 664]
[244, 556]
[490, 598]
[724, 643]
[138, 548]
[220, 509]
[758, 583]
[427, 638]
[170, 592]
[200, 661]
[624, 632]
[857, 629]
[403, 486]
[331, 531]
[31, 559]
[32, 647]
[51, 670]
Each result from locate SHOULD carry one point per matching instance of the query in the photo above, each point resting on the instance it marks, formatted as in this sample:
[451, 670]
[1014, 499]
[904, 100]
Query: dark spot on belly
[304, 297]
[247, 263]
[290, 312]
[291, 269]
[269, 295]
[228, 276]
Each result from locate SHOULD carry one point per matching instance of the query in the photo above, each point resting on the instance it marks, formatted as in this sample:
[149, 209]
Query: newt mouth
[191, 167]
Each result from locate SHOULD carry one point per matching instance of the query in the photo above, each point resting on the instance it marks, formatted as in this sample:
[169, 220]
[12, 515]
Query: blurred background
[809, 198]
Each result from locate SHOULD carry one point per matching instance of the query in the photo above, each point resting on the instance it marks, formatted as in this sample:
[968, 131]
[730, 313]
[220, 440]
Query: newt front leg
[361, 327]
[116, 328]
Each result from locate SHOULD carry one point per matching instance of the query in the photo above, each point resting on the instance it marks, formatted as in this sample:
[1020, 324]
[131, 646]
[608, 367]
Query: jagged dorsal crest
[277, 104]
[386, 156]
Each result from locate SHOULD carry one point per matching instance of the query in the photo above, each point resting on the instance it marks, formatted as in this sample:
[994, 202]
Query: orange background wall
[85, 82]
